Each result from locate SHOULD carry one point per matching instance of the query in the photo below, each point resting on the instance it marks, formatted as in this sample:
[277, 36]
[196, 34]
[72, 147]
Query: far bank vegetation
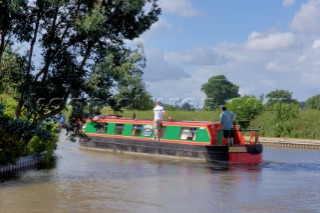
[277, 119]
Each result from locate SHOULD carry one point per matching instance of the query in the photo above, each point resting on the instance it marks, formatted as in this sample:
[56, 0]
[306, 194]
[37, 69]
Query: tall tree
[218, 90]
[74, 37]
[134, 95]
[13, 16]
[188, 107]
[123, 78]
[10, 72]
[313, 102]
[280, 97]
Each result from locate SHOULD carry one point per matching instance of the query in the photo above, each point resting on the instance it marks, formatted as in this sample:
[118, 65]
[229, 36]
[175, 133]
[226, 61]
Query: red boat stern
[245, 154]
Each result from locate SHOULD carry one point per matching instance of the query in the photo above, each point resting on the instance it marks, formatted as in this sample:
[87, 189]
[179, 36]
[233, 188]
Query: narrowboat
[184, 139]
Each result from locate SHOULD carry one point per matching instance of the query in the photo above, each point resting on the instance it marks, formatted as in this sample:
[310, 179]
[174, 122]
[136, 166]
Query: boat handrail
[195, 121]
[247, 130]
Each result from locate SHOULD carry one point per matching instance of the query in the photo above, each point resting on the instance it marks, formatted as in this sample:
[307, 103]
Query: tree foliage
[11, 76]
[64, 47]
[74, 38]
[188, 107]
[246, 108]
[132, 92]
[218, 91]
[13, 16]
[276, 122]
[313, 102]
[280, 96]
[17, 133]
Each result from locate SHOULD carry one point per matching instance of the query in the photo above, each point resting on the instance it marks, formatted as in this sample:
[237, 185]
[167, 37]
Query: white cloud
[158, 69]
[255, 72]
[316, 44]
[288, 3]
[274, 66]
[254, 35]
[200, 56]
[207, 56]
[270, 42]
[302, 58]
[307, 19]
[158, 29]
[266, 61]
[311, 79]
[178, 7]
[186, 90]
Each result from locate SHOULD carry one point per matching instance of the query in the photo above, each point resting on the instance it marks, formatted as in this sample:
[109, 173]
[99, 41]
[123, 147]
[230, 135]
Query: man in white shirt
[158, 111]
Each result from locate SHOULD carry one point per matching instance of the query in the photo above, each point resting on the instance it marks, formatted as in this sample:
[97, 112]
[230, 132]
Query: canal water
[86, 181]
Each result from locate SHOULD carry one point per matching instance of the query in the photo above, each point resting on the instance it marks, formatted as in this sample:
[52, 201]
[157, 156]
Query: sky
[258, 45]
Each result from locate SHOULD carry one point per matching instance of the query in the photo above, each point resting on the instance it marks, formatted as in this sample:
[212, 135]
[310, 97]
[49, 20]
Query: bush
[10, 105]
[20, 137]
[45, 141]
[10, 148]
[289, 123]
[305, 125]
[246, 109]
[266, 124]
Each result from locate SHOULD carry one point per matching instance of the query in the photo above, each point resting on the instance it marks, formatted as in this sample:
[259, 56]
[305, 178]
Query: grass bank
[306, 125]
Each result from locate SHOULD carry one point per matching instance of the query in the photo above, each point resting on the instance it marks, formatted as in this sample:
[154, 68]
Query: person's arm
[166, 114]
[233, 117]
[221, 121]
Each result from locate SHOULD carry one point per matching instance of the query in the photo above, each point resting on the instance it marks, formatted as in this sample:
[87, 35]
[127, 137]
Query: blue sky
[259, 45]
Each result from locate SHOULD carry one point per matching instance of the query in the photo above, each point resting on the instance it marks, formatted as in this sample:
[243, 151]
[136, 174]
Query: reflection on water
[93, 181]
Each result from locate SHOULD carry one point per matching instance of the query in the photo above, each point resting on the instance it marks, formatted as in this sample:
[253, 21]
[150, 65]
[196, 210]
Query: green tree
[246, 109]
[188, 107]
[313, 102]
[13, 15]
[132, 93]
[10, 73]
[218, 91]
[16, 135]
[63, 44]
[280, 96]
[277, 123]
[170, 107]
[74, 38]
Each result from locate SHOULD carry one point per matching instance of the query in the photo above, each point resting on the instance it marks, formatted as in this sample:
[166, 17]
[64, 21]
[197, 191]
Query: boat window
[188, 133]
[119, 129]
[101, 127]
[136, 130]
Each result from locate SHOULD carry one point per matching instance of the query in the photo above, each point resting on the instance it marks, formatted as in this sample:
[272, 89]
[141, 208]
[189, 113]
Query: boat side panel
[202, 135]
[111, 128]
[127, 129]
[90, 128]
[207, 153]
[245, 158]
[172, 132]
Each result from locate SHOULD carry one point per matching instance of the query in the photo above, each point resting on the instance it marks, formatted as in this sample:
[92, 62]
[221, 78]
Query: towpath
[290, 142]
